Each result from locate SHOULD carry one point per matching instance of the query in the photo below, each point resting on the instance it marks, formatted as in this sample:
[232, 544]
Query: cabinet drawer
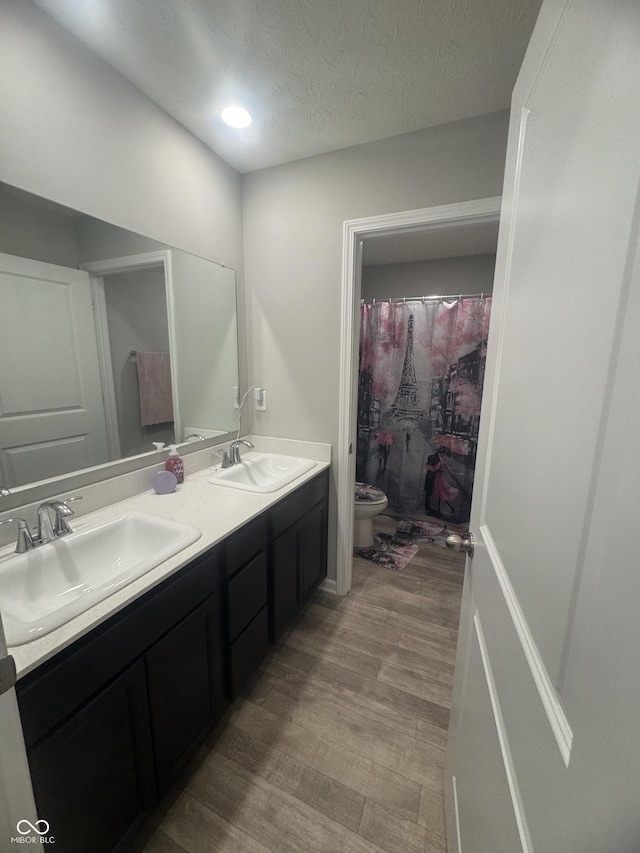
[247, 594]
[245, 544]
[58, 687]
[247, 652]
[289, 510]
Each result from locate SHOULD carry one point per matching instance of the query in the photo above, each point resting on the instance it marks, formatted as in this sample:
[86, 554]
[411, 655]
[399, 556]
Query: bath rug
[423, 532]
[388, 552]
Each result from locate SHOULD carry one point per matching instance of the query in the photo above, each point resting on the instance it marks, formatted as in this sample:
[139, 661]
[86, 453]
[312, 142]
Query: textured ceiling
[318, 75]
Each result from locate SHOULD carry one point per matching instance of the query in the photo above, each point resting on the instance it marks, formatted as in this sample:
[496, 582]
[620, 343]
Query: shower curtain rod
[457, 296]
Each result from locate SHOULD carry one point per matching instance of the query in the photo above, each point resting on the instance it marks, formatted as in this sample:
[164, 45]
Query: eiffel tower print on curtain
[406, 408]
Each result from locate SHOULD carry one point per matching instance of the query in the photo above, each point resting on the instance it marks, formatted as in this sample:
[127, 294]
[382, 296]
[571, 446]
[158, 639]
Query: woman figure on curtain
[384, 440]
[436, 486]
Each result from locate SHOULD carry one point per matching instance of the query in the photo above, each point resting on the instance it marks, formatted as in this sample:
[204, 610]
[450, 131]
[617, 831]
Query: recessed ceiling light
[235, 116]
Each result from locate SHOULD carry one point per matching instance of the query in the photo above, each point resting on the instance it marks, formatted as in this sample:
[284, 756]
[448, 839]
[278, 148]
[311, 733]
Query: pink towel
[154, 380]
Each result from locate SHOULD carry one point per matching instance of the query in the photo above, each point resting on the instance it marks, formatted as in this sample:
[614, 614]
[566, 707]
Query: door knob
[460, 543]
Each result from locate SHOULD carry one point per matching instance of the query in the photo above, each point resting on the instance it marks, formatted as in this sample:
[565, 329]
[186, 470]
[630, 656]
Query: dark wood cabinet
[183, 689]
[313, 549]
[110, 721]
[246, 568]
[94, 773]
[285, 570]
[298, 551]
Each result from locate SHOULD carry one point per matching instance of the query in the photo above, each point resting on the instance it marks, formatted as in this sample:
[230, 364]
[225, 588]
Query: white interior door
[51, 411]
[544, 750]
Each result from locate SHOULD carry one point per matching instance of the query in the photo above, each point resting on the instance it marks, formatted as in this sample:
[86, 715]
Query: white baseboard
[329, 585]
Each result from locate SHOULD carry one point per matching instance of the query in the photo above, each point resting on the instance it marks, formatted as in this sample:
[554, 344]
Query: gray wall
[36, 232]
[293, 217]
[437, 277]
[75, 131]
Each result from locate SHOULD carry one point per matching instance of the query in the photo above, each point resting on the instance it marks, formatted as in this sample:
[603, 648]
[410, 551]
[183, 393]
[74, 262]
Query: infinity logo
[31, 827]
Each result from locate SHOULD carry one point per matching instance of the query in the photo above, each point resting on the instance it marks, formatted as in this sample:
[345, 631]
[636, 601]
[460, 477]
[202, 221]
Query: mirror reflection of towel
[154, 381]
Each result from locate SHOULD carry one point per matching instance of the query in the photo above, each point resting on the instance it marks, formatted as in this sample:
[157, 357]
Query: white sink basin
[262, 472]
[45, 588]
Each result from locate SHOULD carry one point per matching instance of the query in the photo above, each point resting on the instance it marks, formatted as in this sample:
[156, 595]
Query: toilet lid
[365, 492]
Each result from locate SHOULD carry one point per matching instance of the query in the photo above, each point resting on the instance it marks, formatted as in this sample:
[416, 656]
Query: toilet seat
[365, 493]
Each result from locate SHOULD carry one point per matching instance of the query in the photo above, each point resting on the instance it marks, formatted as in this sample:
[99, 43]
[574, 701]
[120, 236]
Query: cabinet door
[247, 652]
[313, 555]
[285, 593]
[94, 774]
[183, 678]
[246, 594]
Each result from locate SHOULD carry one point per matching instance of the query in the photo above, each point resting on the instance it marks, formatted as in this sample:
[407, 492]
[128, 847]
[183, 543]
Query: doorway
[133, 298]
[442, 223]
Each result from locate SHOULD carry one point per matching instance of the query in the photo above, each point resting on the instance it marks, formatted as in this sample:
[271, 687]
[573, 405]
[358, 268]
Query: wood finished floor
[338, 746]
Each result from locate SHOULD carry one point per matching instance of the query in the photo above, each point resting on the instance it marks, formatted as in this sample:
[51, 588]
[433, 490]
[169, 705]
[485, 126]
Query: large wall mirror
[109, 342]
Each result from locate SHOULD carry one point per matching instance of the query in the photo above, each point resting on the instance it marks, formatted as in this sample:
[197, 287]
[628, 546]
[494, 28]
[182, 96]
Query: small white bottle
[175, 463]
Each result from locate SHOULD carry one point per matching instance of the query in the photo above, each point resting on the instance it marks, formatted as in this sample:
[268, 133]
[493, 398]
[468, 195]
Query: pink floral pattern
[417, 386]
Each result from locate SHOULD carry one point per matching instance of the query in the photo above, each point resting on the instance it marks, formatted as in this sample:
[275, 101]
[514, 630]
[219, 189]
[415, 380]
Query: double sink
[44, 588]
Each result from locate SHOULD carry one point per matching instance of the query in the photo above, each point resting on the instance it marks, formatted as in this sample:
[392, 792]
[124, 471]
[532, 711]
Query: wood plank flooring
[338, 746]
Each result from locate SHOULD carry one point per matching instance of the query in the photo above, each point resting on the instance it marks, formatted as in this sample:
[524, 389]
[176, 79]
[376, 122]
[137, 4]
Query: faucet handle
[24, 541]
[224, 456]
[68, 501]
[61, 528]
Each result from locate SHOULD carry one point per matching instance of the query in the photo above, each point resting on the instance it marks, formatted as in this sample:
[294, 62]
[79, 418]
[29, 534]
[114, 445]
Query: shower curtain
[419, 392]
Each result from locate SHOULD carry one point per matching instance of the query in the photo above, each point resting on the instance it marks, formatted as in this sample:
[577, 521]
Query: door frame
[354, 231]
[97, 271]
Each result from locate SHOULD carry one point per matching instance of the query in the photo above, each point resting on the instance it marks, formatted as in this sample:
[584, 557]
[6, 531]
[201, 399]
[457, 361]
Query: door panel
[557, 466]
[571, 182]
[51, 410]
[487, 821]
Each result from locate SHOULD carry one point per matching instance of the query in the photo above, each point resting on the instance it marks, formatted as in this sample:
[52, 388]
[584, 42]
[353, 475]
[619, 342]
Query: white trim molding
[111, 266]
[354, 230]
[507, 760]
[548, 695]
[328, 585]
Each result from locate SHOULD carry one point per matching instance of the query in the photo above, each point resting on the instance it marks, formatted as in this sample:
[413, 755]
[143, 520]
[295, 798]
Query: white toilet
[369, 502]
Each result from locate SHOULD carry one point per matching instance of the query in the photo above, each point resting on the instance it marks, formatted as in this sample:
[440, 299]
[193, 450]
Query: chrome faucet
[234, 450]
[47, 531]
[24, 541]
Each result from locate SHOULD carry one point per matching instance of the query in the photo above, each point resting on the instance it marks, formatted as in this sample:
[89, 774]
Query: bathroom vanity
[111, 719]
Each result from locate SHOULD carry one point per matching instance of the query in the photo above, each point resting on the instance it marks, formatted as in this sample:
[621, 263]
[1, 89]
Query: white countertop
[217, 511]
